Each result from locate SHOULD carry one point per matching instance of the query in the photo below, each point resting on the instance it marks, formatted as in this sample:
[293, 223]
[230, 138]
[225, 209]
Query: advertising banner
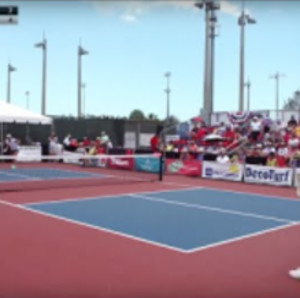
[121, 163]
[214, 170]
[183, 167]
[147, 164]
[268, 175]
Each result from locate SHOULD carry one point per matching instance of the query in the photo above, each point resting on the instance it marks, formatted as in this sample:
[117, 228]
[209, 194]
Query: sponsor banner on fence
[183, 167]
[297, 177]
[268, 175]
[214, 170]
[147, 164]
[121, 163]
[29, 153]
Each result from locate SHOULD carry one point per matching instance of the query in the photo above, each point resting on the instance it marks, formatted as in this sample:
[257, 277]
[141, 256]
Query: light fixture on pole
[210, 24]
[83, 98]
[81, 52]
[277, 77]
[248, 86]
[10, 69]
[43, 46]
[168, 91]
[242, 21]
[27, 93]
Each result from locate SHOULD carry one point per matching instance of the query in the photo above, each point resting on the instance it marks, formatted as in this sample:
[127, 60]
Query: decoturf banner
[183, 167]
[214, 170]
[268, 175]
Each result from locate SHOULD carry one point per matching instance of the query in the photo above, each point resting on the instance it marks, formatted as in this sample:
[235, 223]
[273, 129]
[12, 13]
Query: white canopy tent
[10, 113]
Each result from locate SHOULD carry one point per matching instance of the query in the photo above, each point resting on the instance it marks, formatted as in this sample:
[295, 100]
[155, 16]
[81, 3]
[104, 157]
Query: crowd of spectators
[259, 141]
[99, 145]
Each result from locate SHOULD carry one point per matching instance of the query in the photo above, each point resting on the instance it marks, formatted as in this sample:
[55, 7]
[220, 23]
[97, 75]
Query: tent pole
[1, 137]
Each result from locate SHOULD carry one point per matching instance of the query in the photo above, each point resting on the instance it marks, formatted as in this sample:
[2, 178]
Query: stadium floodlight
[242, 21]
[210, 6]
[43, 46]
[10, 69]
[277, 77]
[81, 52]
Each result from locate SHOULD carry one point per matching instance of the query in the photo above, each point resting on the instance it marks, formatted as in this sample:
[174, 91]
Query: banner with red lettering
[183, 167]
[120, 163]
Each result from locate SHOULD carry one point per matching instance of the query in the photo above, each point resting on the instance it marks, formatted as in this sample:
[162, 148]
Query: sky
[132, 44]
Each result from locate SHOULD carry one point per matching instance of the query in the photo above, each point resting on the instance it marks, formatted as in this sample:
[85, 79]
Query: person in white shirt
[255, 129]
[223, 158]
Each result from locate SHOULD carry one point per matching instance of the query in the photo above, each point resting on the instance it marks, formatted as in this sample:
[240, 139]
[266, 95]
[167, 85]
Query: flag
[82, 51]
[11, 68]
[40, 45]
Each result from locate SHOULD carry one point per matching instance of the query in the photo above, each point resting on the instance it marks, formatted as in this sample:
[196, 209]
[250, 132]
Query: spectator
[255, 129]
[222, 157]
[269, 148]
[104, 141]
[292, 122]
[10, 145]
[86, 142]
[154, 143]
[67, 142]
[272, 160]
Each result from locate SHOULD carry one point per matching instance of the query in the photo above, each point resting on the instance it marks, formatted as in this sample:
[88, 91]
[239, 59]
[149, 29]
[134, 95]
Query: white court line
[83, 224]
[216, 244]
[109, 196]
[256, 194]
[18, 176]
[220, 210]
[246, 236]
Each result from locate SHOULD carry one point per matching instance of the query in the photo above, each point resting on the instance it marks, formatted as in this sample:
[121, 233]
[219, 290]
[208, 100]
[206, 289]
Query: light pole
[81, 52]
[210, 23]
[83, 98]
[43, 46]
[10, 69]
[27, 93]
[242, 21]
[168, 91]
[277, 77]
[248, 86]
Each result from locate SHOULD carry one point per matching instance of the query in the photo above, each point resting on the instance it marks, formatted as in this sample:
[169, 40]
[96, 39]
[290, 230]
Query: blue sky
[133, 43]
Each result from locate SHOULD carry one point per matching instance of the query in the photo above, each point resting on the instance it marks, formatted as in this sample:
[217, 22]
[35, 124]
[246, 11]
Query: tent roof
[11, 113]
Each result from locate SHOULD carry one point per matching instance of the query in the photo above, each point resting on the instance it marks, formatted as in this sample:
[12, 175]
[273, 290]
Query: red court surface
[47, 257]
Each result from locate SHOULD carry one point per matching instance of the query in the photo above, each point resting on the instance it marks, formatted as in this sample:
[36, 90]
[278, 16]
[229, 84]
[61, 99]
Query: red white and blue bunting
[239, 117]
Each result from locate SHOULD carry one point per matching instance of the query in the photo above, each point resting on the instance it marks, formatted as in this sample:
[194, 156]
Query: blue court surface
[183, 220]
[10, 175]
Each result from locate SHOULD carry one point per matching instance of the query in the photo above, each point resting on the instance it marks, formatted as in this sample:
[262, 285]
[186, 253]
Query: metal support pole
[44, 77]
[242, 57]
[79, 84]
[8, 84]
[206, 91]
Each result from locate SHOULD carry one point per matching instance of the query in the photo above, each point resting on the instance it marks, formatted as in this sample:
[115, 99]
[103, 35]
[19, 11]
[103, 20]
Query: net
[22, 173]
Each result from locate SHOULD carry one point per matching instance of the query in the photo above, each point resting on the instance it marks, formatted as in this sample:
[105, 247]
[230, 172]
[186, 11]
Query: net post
[161, 165]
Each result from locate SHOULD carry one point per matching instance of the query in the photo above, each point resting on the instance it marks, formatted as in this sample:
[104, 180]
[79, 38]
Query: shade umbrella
[213, 138]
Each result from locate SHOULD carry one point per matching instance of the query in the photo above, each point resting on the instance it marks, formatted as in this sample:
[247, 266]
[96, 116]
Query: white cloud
[129, 18]
[131, 11]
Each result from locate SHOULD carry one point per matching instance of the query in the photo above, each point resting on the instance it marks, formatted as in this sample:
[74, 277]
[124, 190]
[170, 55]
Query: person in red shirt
[229, 136]
[154, 143]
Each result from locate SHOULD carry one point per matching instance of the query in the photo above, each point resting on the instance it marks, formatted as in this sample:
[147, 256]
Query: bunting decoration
[239, 117]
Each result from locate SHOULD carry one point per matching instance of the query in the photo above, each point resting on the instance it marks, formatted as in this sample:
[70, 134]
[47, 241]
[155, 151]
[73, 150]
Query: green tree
[152, 116]
[137, 115]
[293, 103]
